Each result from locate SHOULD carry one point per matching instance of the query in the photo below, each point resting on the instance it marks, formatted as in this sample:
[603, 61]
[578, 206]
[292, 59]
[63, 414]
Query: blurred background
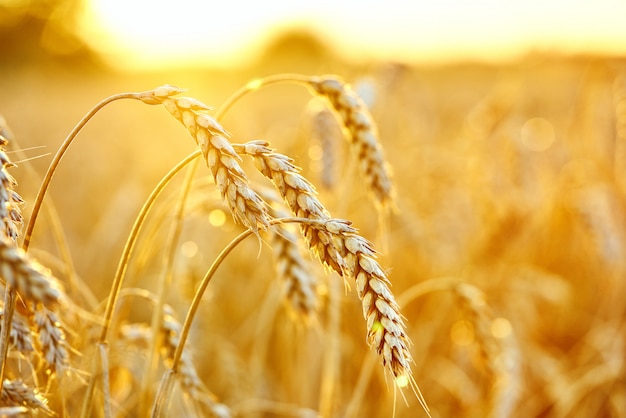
[504, 122]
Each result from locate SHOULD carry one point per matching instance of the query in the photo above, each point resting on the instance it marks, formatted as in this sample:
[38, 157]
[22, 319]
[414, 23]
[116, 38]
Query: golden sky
[142, 33]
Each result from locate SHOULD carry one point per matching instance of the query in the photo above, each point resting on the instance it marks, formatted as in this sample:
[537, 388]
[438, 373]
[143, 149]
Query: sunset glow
[145, 33]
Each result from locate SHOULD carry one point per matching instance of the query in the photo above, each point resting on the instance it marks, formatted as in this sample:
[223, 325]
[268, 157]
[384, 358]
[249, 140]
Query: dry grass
[505, 254]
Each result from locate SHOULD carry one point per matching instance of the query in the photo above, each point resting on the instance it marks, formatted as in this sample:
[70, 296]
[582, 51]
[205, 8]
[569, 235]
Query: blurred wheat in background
[465, 220]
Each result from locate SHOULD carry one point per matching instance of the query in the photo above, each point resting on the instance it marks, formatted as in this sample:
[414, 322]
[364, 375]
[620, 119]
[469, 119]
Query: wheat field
[387, 241]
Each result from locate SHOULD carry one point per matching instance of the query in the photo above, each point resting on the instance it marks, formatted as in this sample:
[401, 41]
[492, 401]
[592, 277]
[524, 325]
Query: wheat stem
[57, 159]
[164, 392]
[170, 250]
[123, 264]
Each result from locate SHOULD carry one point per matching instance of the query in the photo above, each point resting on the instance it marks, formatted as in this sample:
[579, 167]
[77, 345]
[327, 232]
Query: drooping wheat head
[33, 282]
[245, 204]
[16, 393]
[52, 340]
[10, 200]
[300, 285]
[338, 246]
[21, 337]
[363, 136]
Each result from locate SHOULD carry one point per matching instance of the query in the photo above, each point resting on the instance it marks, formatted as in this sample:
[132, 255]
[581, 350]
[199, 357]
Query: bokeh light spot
[462, 333]
[402, 381]
[537, 134]
[189, 249]
[217, 217]
[501, 328]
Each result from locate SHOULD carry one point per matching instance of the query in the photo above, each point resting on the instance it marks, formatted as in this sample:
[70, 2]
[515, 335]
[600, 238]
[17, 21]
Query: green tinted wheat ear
[246, 205]
[339, 247]
[362, 133]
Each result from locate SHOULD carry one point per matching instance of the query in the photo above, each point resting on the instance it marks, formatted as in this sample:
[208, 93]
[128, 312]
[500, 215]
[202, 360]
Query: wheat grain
[363, 135]
[245, 204]
[52, 341]
[299, 283]
[16, 393]
[10, 200]
[32, 281]
[338, 246]
[21, 337]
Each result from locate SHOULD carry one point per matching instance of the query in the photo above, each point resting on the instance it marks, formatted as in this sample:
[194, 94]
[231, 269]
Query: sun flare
[146, 34]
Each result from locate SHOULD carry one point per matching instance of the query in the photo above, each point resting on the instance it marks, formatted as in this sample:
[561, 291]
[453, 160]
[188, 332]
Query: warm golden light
[501, 328]
[149, 34]
[189, 249]
[462, 333]
[537, 134]
[217, 217]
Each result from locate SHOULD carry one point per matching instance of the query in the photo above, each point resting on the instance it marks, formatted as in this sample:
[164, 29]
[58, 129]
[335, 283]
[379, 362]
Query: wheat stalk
[338, 246]
[188, 376]
[361, 129]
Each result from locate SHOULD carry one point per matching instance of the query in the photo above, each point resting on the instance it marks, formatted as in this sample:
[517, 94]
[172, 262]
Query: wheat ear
[21, 337]
[245, 204]
[299, 285]
[52, 340]
[10, 200]
[16, 393]
[499, 362]
[362, 133]
[356, 119]
[338, 246]
[32, 281]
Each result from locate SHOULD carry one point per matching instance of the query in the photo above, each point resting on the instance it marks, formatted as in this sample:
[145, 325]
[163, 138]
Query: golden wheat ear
[338, 246]
[245, 204]
[360, 128]
[16, 394]
[10, 200]
[299, 283]
[498, 352]
[362, 134]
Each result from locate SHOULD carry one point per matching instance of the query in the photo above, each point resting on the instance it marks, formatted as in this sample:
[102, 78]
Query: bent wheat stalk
[361, 129]
[166, 385]
[121, 270]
